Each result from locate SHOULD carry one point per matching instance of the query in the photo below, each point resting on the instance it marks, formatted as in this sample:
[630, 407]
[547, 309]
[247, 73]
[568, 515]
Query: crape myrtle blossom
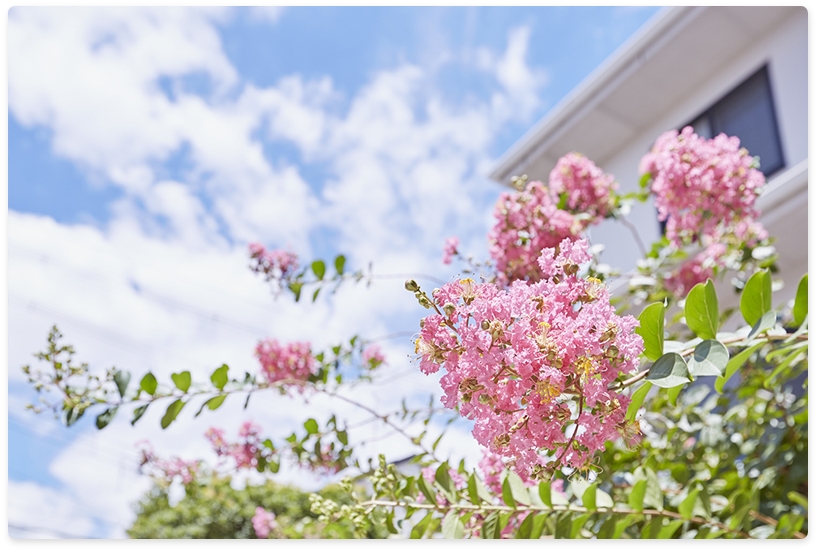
[578, 195]
[531, 363]
[372, 356]
[275, 264]
[165, 470]
[246, 452]
[704, 189]
[264, 523]
[450, 249]
[285, 362]
[587, 188]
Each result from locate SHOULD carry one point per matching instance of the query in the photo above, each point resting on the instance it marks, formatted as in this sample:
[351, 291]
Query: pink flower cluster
[373, 356]
[246, 452]
[587, 188]
[531, 220]
[285, 362]
[264, 523]
[274, 263]
[704, 188]
[531, 363]
[167, 469]
[450, 249]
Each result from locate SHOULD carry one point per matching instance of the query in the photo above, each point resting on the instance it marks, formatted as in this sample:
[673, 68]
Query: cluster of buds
[531, 363]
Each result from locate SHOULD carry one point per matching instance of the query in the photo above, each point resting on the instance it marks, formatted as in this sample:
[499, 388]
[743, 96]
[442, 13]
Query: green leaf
[148, 384]
[736, 362]
[420, 528]
[545, 493]
[785, 363]
[644, 180]
[710, 358]
[311, 425]
[73, 415]
[319, 269]
[797, 498]
[343, 438]
[799, 309]
[171, 413]
[637, 495]
[667, 531]
[766, 321]
[670, 370]
[653, 492]
[181, 380]
[219, 377]
[426, 490]
[652, 330]
[340, 260]
[603, 500]
[212, 404]
[315, 294]
[686, 507]
[757, 296]
[390, 522]
[452, 526]
[138, 413]
[673, 394]
[538, 525]
[443, 478]
[518, 490]
[295, 287]
[508, 497]
[121, 378]
[702, 310]
[589, 498]
[524, 531]
[106, 416]
[637, 398]
[491, 527]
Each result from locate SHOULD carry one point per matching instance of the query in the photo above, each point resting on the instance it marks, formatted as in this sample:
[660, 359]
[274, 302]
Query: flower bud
[411, 285]
[449, 308]
[484, 325]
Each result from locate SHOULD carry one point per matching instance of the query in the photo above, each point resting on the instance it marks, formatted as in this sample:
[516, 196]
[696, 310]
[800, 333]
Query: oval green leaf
[340, 260]
[219, 377]
[121, 378]
[670, 370]
[181, 380]
[171, 413]
[799, 309]
[709, 358]
[652, 330]
[106, 416]
[636, 401]
[319, 269]
[702, 310]
[756, 298]
[148, 384]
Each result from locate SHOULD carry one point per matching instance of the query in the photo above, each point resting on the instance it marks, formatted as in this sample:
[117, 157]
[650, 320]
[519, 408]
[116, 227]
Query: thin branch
[546, 509]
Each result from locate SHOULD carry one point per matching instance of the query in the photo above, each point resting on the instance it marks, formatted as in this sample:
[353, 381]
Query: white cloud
[37, 511]
[161, 287]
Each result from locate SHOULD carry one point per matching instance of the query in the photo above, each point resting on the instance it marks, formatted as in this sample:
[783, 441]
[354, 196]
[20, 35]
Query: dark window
[747, 112]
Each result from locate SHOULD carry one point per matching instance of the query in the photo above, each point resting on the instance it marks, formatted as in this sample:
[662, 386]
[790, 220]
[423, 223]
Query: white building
[737, 70]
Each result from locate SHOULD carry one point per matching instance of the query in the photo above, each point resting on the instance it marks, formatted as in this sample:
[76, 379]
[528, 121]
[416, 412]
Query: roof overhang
[667, 59]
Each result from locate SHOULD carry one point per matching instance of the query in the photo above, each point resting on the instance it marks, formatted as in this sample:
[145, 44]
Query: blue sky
[147, 148]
